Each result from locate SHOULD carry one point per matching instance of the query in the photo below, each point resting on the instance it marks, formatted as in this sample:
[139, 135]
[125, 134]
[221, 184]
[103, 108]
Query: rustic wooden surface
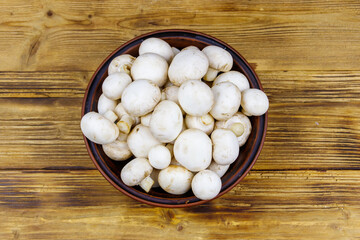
[306, 183]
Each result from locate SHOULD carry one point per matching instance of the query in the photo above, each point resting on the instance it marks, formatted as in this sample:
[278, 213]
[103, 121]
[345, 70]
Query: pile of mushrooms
[177, 112]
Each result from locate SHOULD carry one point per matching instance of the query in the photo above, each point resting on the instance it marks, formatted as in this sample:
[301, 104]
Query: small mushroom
[150, 66]
[193, 150]
[166, 121]
[206, 185]
[105, 104]
[227, 100]
[135, 171]
[114, 85]
[121, 63]
[140, 141]
[195, 98]
[240, 125]
[204, 123]
[189, 64]
[220, 170]
[145, 120]
[159, 157]
[254, 102]
[111, 116]
[158, 46]
[98, 129]
[117, 150]
[140, 97]
[226, 147]
[235, 77]
[219, 59]
[175, 179]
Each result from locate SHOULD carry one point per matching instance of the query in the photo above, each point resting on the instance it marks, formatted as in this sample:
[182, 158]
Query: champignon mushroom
[159, 157]
[193, 150]
[117, 150]
[220, 170]
[135, 171]
[175, 179]
[206, 185]
[158, 46]
[234, 77]
[195, 98]
[140, 97]
[166, 121]
[225, 146]
[114, 85]
[219, 59]
[204, 123]
[254, 102]
[105, 104]
[188, 64]
[227, 100]
[98, 129]
[121, 63]
[240, 125]
[150, 66]
[140, 141]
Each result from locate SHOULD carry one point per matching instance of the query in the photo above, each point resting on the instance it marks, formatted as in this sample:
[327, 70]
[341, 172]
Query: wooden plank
[266, 205]
[78, 35]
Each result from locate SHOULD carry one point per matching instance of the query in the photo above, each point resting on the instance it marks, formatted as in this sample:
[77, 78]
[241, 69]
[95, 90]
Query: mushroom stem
[111, 116]
[210, 74]
[237, 128]
[146, 183]
[207, 119]
[125, 124]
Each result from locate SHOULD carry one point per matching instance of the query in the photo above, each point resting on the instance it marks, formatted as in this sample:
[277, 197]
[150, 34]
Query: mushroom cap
[158, 46]
[193, 150]
[166, 121]
[225, 146]
[117, 150]
[105, 104]
[237, 118]
[121, 63]
[188, 64]
[140, 97]
[98, 129]
[150, 66]
[204, 123]
[234, 77]
[196, 98]
[114, 85]
[219, 58]
[159, 157]
[220, 170]
[206, 185]
[254, 102]
[140, 141]
[135, 171]
[175, 179]
[227, 100]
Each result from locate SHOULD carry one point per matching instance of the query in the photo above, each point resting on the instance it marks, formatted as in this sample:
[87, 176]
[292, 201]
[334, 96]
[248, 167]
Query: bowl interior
[111, 169]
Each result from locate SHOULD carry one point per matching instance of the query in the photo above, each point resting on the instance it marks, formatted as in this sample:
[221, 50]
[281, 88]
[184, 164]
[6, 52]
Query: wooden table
[306, 183]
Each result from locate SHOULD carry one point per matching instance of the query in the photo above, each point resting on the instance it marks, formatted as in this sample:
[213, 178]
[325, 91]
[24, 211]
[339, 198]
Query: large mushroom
[175, 179]
[117, 150]
[158, 46]
[114, 85]
[206, 185]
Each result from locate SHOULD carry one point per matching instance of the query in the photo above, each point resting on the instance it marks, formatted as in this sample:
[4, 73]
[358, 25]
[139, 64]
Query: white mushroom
[210, 74]
[135, 171]
[220, 170]
[150, 66]
[140, 141]
[206, 185]
[219, 59]
[254, 102]
[234, 77]
[114, 85]
[189, 64]
[166, 121]
[140, 97]
[175, 50]
[225, 146]
[98, 129]
[195, 98]
[111, 116]
[145, 120]
[121, 63]
[105, 104]
[240, 125]
[227, 100]
[158, 46]
[159, 157]
[117, 150]
[175, 179]
[193, 150]
[204, 123]
[147, 183]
